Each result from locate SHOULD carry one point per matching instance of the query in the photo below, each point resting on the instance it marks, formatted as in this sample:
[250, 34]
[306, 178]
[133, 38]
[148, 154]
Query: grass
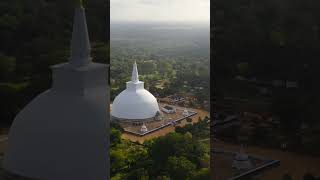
[15, 86]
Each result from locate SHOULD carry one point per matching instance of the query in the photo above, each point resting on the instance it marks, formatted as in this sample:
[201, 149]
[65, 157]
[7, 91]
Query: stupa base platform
[168, 119]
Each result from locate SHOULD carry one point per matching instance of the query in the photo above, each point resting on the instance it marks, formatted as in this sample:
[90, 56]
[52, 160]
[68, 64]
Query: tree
[286, 177]
[188, 135]
[200, 129]
[162, 178]
[7, 66]
[180, 168]
[202, 174]
[164, 67]
[176, 145]
[179, 129]
[115, 137]
[138, 174]
[148, 67]
[117, 160]
[101, 52]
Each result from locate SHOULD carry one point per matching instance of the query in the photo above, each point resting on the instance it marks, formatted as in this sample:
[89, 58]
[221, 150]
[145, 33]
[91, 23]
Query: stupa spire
[80, 44]
[135, 75]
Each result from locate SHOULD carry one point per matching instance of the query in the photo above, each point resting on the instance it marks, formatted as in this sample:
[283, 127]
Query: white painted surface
[185, 112]
[144, 129]
[134, 102]
[63, 133]
[80, 44]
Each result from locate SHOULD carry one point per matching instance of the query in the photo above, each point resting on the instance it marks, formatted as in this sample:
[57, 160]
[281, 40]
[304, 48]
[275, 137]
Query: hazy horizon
[169, 23]
[160, 11]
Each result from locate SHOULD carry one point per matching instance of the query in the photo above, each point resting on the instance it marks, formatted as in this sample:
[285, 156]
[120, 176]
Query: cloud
[160, 10]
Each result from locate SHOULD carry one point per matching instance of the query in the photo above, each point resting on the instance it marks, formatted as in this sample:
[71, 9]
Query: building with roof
[168, 109]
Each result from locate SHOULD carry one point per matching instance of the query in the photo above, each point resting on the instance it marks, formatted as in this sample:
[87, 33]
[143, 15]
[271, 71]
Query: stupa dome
[135, 102]
[63, 133]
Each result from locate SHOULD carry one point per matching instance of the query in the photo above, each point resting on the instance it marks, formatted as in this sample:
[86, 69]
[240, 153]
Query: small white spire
[144, 128]
[80, 44]
[135, 75]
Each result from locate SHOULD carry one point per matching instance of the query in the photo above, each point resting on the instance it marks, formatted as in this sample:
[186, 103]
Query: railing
[257, 170]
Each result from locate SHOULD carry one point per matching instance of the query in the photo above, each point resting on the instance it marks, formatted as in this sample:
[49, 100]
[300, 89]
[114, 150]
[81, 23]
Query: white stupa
[135, 103]
[144, 128]
[241, 161]
[63, 133]
[185, 112]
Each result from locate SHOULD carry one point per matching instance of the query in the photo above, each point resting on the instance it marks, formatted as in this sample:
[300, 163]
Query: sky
[160, 10]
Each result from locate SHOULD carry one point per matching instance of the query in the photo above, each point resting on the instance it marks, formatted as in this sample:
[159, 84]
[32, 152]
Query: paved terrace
[168, 120]
[165, 130]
